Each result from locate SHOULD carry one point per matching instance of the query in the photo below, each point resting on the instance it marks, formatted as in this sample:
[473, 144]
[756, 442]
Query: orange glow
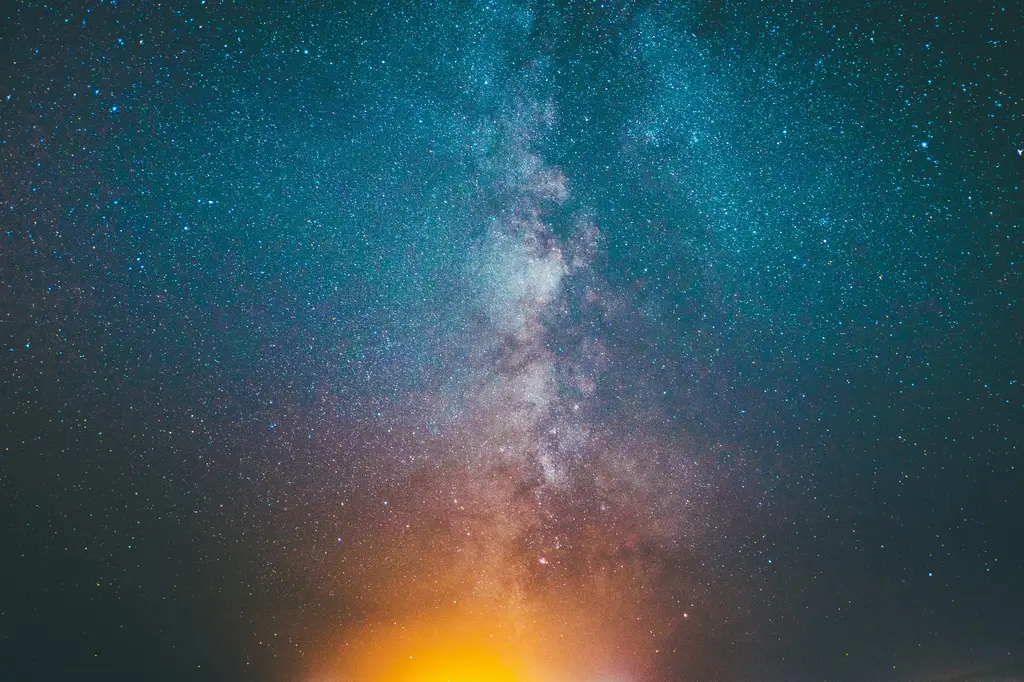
[435, 652]
[459, 663]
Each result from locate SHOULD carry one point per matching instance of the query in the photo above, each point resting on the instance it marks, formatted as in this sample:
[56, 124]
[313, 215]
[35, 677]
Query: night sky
[511, 341]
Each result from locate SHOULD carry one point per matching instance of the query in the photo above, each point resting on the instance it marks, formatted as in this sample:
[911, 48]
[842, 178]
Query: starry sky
[511, 340]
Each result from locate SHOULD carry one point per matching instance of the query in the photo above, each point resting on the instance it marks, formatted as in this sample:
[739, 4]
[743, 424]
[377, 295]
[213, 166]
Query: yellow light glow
[460, 649]
[465, 663]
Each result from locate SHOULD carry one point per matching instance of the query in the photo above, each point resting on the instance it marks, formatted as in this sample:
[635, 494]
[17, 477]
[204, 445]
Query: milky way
[532, 516]
[515, 341]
